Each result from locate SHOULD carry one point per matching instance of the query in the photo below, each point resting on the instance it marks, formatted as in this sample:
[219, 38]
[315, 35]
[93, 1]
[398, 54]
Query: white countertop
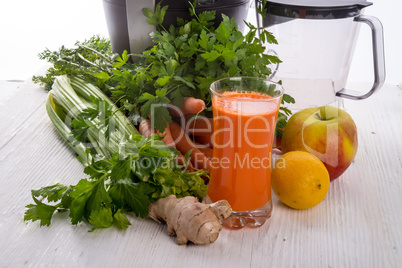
[357, 225]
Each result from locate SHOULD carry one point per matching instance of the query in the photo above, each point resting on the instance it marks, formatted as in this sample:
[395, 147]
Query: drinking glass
[245, 110]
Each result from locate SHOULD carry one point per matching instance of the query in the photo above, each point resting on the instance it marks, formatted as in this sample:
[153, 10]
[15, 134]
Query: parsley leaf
[79, 132]
[80, 194]
[101, 218]
[98, 199]
[121, 220]
[52, 193]
[134, 195]
[40, 211]
[156, 17]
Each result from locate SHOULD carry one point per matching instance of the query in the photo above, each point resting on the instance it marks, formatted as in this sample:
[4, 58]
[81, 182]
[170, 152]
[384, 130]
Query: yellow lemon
[300, 180]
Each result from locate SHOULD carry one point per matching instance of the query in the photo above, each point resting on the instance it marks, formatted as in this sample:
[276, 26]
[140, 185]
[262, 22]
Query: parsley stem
[87, 61]
[96, 52]
[174, 87]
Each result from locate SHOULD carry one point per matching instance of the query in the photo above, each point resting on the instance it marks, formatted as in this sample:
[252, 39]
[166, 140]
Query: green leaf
[168, 50]
[204, 39]
[288, 99]
[99, 198]
[161, 116]
[145, 97]
[155, 18]
[103, 76]
[120, 220]
[155, 148]
[225, 29]
[256, 48]
[121, 61]
[188, 51]
[161, 12]
[199, 64]
[65, 197]
[178, 95]
[233, 70]
[171, 65]
[228, 54]
[241, 53]
[146, 108]
[101, 218]
[89, 113]
[121, 170]
[250, 35]
[79, 132]
[98, 167]
[152, 18]
[187, 83]
[186, 29]
[40, 212]
[238, 42]
[187, 156]
[206, 17]
[269, 37]
[80, 195]
[161, 94]
[134, 195]
[211, 56]
[273, 59]
[161, 81]
[53, 193]
[286, 110]
[124, 56]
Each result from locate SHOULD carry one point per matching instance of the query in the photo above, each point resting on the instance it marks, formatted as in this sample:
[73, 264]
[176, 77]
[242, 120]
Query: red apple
[327, 132]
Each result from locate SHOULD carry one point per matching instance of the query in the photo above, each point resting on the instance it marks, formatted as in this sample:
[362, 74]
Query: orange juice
[244, 124]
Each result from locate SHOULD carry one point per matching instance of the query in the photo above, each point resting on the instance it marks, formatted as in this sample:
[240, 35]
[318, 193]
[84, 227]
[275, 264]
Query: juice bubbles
[244, 124]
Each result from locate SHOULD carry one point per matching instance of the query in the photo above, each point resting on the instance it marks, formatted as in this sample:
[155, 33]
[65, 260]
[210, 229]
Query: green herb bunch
[184, 61]
[88, 58]
[189, 57]
[117, 185]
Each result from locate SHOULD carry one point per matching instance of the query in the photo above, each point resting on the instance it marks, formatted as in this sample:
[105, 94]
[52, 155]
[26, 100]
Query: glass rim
[234, 78]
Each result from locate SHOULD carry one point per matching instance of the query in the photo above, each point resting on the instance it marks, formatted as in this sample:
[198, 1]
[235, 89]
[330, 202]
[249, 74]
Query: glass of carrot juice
[245, 110]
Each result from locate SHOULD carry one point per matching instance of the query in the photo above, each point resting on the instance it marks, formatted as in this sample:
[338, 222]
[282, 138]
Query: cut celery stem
[74, 96]
[86, 90]
[64, 131]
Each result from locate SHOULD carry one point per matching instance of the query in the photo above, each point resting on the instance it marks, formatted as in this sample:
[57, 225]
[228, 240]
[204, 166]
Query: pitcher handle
[379, 59]
[277, 64]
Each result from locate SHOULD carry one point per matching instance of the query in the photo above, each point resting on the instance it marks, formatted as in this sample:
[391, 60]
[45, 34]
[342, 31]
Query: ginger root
[189, 219]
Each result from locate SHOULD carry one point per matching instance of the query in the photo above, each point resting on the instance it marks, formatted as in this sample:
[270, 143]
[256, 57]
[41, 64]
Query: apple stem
[318, 115]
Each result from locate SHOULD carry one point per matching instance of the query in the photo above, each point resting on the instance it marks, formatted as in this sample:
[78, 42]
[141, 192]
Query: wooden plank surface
[357, 225]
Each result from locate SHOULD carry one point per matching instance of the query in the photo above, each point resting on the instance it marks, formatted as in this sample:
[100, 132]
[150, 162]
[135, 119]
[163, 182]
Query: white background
[27, 27]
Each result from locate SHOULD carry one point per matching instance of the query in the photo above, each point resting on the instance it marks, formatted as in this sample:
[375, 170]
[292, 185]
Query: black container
[116, 16]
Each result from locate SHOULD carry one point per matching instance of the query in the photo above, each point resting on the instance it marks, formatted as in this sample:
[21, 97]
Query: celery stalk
[86, 90]
[64, 130]
[74, 96]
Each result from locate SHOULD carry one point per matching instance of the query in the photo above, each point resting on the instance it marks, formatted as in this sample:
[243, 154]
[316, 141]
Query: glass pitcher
[316, 42]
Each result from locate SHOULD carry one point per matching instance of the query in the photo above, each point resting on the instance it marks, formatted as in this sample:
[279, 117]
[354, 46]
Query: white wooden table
[357, 225]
